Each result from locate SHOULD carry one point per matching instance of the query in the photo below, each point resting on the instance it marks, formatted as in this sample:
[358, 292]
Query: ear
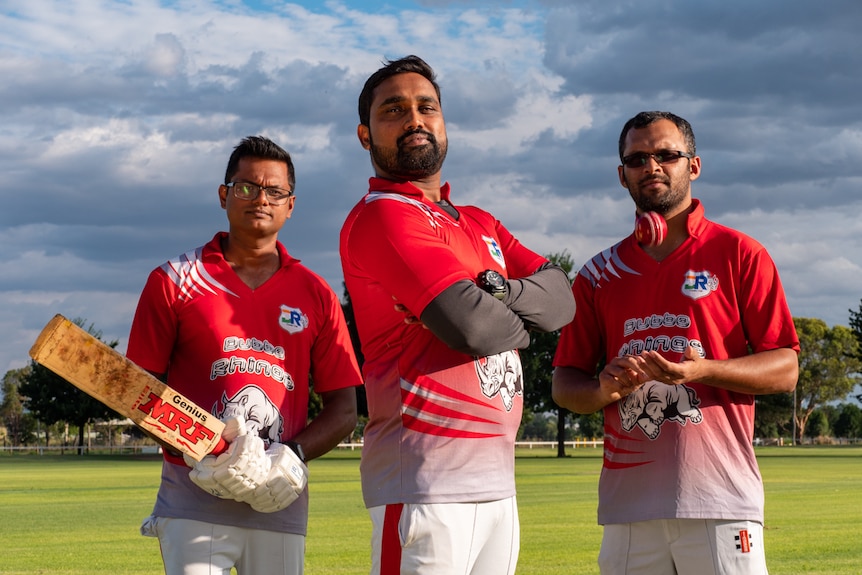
[222, 196]
[622, 176]
[288, 207]
[694, 169]
[364, 136]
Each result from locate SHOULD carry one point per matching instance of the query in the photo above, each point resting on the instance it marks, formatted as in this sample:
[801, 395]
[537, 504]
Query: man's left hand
[287, 478]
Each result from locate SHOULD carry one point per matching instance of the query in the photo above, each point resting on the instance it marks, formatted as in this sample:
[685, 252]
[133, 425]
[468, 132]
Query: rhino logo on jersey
[656, 402]
[501, 374]
[262, 417]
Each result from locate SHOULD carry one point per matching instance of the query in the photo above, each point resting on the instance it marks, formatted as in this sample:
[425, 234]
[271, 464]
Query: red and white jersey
[442, 424]
[679, 451]
[240, 351]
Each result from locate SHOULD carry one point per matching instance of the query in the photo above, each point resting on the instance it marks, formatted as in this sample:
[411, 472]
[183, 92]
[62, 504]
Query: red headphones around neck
[650, 229]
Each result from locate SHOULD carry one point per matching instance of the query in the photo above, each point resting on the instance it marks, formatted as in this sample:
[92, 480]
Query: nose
[261, 198]
[652, 164]
[413, 120]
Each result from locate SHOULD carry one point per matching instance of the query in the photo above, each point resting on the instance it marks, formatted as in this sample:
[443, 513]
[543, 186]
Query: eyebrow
[397, 98]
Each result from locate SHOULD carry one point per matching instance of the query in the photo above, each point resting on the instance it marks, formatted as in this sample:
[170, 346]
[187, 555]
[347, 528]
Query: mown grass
[71, 515]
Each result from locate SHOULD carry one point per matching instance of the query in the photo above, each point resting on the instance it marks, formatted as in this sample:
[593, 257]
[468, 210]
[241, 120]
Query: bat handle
[220, 447]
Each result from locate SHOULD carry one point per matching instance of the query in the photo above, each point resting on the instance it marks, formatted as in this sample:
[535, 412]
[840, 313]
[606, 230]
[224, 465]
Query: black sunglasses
[640, 159]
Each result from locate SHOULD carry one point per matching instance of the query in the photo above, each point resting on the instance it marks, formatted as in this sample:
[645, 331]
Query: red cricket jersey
[235, 350]
[442, 424]
[679, 451]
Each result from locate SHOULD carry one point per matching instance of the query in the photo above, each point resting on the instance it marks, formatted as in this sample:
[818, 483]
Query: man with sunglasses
[673, 339]
[241, 326]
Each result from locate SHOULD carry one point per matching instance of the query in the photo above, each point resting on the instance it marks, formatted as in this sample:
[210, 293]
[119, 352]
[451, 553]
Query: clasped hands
[624, 375]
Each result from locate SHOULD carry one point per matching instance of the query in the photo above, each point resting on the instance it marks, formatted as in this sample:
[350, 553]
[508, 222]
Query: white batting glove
[287, 478]
[233, 428]
[236, 473]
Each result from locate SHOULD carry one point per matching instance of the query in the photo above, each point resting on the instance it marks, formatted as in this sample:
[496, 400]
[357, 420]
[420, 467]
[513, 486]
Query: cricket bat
[107, 375]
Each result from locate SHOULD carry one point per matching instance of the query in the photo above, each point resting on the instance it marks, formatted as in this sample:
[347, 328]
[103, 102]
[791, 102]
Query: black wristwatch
[297, 449]
[494, 283]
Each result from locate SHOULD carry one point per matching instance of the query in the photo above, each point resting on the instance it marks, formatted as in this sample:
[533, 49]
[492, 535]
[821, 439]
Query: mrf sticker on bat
[177, 416]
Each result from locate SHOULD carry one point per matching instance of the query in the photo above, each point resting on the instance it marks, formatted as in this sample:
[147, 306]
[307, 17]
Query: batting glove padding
[236, 473]
[288, 476]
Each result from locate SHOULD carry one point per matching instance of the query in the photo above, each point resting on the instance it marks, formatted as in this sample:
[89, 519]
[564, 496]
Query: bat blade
[105, 374]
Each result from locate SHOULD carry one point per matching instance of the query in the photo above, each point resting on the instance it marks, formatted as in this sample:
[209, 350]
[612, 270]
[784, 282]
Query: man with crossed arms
[443, 296]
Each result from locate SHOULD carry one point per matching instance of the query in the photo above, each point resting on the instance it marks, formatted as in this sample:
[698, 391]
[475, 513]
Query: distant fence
[154, 449]
[576, 443]
[59, 449]
[357, 446]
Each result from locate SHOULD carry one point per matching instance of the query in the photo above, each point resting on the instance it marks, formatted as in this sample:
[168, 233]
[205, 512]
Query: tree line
[37, 403]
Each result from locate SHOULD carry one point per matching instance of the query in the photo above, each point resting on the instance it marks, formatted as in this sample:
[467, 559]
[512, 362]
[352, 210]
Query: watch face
[493, 279]
[493, 283]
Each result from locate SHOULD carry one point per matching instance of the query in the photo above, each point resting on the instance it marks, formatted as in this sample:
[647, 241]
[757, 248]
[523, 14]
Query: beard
[411, 163]
[662, 203]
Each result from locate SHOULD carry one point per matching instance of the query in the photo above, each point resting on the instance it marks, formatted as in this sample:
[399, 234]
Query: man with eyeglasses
[444, 296]
[673, 339]
[240, 325]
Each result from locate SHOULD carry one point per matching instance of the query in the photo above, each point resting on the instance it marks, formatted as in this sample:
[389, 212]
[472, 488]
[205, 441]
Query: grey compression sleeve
[544, 300]
[470, 320]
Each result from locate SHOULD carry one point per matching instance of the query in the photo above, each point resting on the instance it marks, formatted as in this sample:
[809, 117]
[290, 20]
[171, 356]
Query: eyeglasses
[250, 192]
[640, 159]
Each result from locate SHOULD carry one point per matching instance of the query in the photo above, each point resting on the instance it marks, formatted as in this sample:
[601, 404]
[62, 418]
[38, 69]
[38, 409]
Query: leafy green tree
[856, 326]
[773, 415]
[539, 427]
[829, 367]
[831, 411]
[848, 424]
[52, 399]
[537, 361]
[818, 424]
[591, 424]
[19, 424]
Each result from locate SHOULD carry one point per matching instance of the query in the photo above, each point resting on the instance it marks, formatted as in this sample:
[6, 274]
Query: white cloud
[166, 57]
[536, 112]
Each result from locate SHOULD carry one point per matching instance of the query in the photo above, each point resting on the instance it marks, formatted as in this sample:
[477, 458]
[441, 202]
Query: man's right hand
[621, 377]
[236, 473]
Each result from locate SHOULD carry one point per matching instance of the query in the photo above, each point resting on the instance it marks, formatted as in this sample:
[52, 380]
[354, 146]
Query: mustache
[650, 179]
[406, 135]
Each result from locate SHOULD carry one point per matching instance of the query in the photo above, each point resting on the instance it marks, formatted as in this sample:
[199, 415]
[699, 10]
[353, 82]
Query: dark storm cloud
[770, 87]
[773, 50]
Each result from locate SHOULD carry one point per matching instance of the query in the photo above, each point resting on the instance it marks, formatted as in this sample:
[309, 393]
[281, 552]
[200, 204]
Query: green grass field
[70, 515]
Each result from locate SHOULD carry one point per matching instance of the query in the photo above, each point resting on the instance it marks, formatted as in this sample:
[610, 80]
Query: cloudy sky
[117, 118]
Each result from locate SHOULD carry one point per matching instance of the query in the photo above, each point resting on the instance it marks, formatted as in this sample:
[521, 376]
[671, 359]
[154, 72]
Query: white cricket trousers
[198, 548]
[683, 547]
[445, 538]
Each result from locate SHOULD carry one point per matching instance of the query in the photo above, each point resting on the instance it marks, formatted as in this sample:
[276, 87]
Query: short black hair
[392, 68]
[644, 119]
[263, 149]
